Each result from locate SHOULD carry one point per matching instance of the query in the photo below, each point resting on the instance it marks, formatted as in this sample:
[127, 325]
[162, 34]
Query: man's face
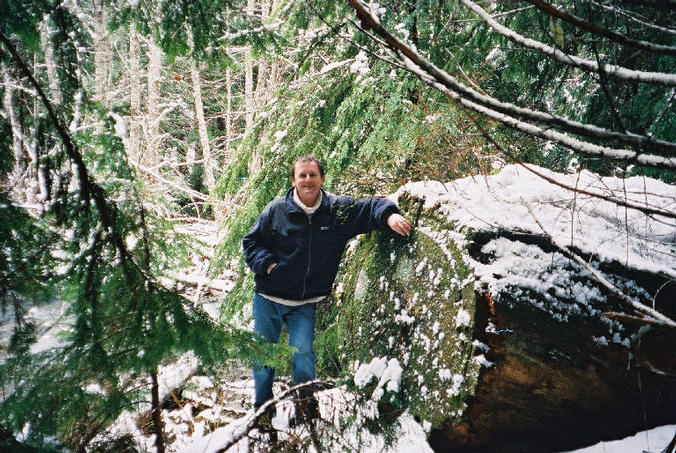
[307, 180]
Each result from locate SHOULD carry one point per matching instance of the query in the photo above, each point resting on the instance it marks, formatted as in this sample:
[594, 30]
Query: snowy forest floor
[202, 414]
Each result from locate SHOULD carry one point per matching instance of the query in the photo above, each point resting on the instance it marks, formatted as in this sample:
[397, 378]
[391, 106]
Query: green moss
[400, 298]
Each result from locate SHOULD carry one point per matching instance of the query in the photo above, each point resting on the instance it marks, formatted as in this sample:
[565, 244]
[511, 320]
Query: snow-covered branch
[519, 117]
[244, 429]
[612, 70]
[595, 29]
[191, 192]
[545, 133]
[655, 316]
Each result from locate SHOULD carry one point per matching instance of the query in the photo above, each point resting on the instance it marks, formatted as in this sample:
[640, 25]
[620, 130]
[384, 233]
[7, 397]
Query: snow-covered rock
[505, 341]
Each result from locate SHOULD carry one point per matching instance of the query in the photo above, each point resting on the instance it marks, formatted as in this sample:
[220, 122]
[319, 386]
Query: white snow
[463, 318]
[388, 373]
[594, 226]
[652, 440]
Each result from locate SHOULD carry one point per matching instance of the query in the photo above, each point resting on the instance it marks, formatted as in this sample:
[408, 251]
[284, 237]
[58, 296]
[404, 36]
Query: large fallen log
[507, 344]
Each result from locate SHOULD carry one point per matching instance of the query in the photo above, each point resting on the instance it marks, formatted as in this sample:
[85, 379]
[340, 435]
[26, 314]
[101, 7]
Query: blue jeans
[269, 318]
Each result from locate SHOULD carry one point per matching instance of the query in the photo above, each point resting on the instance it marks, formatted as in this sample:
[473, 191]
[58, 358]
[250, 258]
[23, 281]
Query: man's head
[307, 176]
[307, 159]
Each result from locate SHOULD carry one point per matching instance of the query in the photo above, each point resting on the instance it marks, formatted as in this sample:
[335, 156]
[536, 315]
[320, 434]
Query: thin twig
[656, 316]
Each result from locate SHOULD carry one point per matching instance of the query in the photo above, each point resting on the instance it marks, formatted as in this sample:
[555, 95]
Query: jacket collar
[291, 206]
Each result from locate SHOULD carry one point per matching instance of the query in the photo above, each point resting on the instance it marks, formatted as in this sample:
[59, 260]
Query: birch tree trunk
[208, 162]
[152, 155]
[135, 94]
[102, 55]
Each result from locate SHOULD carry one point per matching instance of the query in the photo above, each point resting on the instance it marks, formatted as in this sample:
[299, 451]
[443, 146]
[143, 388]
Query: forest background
[122, 121]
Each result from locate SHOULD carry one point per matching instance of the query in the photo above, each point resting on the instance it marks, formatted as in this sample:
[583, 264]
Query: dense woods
[125, 126]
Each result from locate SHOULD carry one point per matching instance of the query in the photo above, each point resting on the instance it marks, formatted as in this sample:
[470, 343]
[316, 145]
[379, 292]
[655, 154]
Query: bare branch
[657, 317]
[241, 431]
[191, 192]
[670, 31]
[635, 319]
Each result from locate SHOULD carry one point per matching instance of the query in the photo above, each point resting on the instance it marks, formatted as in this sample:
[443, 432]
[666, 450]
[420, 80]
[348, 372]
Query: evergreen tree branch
[90, 190]
[615, 71]
[651, 25]
[599, 31]
[511, 114]
[579, 146]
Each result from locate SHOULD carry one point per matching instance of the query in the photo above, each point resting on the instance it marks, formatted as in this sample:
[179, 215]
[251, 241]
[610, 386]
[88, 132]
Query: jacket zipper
[309, 257]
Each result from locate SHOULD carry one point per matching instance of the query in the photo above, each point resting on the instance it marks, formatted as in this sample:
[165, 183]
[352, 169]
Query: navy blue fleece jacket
[308, 250]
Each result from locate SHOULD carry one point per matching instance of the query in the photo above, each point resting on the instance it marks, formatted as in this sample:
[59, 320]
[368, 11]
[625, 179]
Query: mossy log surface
[506, 370]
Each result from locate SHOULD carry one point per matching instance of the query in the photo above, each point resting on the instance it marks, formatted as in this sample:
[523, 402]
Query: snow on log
[506, 343]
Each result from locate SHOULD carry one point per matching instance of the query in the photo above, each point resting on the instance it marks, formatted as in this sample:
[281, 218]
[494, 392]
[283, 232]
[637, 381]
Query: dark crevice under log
[552, 389]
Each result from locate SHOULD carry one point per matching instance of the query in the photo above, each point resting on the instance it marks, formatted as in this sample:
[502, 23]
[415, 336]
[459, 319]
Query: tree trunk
[50, 64]
[249, 101]
[17, 130]
[208, 162]
[135, 94]
[250, 96]
[151, 156]
[102, 55]
[158, 424]
[228, 113]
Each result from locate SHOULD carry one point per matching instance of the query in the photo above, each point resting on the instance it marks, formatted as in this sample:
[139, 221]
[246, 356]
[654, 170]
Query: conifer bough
[661, 152]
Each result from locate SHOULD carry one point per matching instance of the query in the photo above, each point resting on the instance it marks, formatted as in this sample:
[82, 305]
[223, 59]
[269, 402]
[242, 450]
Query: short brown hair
[304, 159]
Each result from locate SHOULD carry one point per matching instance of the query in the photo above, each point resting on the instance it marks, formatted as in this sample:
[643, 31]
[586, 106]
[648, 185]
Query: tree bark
[158, 424]
[17, 129]
[249, 93]
[102, 55]
[135, 94]
[208, 162]
[52, 75]
[152, 154]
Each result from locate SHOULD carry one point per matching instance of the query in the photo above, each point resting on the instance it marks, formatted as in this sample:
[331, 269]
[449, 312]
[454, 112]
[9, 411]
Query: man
[294, 250]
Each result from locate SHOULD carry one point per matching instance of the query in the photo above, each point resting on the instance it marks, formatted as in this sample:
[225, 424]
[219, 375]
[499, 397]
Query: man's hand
[270, 267]
[399, 224]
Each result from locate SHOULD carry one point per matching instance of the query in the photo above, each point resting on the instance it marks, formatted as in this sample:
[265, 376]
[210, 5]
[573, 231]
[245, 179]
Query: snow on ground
[334, 405]
[653, 440]
[49, 319]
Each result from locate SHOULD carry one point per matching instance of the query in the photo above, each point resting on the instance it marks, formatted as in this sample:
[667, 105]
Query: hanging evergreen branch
[622, 13]
[612, 70]
[595, 29]
[512, 115]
